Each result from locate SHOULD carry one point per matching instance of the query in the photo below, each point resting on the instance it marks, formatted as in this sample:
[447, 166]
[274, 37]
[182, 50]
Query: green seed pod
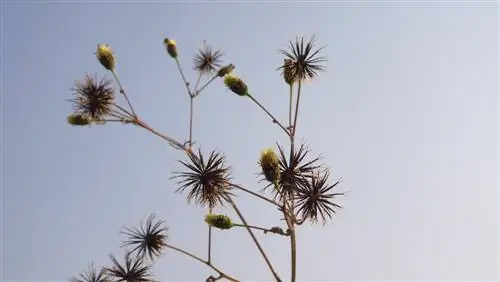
[269, 164]
[219, 221]
[105, 56]
[78, 120]
[225, 70]
[171, 47]
[236, 84]
[288, 72]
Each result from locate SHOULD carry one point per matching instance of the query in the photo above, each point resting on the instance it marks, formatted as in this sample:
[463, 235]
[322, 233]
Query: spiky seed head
[92, 274]
[78, 120]
[133, 269]
[269, 164]
[225, 70]
[219, 221]
[171, 47]
[93, 97]
[105, 56]
[236, 84]
[302, 62]
[207, 60]
[149, 239]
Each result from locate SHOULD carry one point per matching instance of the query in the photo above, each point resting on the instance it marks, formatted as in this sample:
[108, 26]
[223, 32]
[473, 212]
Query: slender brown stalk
[209, 239]
[174, 143]
[269, 114]
[290, 108]
[122, 91]
[191, 101]
[183, 77]
[254, 194]
[265, 230]
[296, 109]
[220, 272]
[257, 244]
[198, 91]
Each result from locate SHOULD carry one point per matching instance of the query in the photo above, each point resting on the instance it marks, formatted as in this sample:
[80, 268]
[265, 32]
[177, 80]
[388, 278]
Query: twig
[183, 77]
[275, 230]
[122, 91]
[220, 272]
[254, 194]
[198, 92]
[269, 114]
[261, 250]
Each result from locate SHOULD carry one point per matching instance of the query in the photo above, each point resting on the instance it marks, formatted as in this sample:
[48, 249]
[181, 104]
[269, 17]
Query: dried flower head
[236, 84]
[225, 70]
[314, 198]
[207, 61]
[295, 171]
[93, 98]
[219, 221]
[207, 181]
[288, 71]
[78, 120]
[133, 270]
[304, 62]
[149, 239]
[92, 274]
[269, 164]
[105, 56]
[171, 47]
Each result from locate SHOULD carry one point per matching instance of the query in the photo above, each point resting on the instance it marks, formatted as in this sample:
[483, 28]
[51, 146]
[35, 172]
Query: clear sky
[406, 115]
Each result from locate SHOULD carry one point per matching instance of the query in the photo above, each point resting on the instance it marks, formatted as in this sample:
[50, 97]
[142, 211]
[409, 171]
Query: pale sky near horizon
[406, 115]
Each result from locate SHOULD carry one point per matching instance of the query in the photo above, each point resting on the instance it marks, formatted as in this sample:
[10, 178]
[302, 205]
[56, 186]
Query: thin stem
[290, 107]
[220, 272]
[191, 101]
[269, 114]
[266, 230]
[293, 248]
[255, 194]
[197, 83]
[174, 143]
[209, 238]
[123, 93]
[198, 92]
[124, 111]
[296, 109]
[183, 77]
[261, 250]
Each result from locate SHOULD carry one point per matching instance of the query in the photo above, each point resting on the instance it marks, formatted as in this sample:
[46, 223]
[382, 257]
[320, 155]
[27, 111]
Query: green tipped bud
[105, 56]
[78, 120]
[236, 84]
[171, 47]
[225, 70]
[219, 221]
[269, 164]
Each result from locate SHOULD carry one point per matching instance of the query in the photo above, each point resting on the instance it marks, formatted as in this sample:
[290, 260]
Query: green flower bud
[225, 70]
[236, 84]
[171, 47]
[78, 120]
[269, 164]
[105, 56]
[219, 221]
[288, 72]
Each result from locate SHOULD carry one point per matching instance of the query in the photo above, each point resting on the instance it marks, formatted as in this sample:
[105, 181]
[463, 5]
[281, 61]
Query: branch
[220, 272]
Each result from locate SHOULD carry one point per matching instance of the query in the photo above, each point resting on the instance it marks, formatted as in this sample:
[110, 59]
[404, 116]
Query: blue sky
[406, 115]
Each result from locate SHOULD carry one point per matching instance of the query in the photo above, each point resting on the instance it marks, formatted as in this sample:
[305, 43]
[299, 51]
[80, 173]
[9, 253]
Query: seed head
[236, 84]
[269, 164]
[78, 120]
[105, 56]
[225, 70]
[171, 47]
[219, 221]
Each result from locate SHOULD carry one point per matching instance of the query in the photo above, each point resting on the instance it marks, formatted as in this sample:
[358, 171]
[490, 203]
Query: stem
[123, 93]
[296, 109]
[191, 101]
[261, 250]
[290, 107]
[266, 230]
[174, 143]
[209, 239]
[183, 77]
[220, 272]
[291, 221]
[269, 114]
[205, 85]
[197, 83]
[255, 194]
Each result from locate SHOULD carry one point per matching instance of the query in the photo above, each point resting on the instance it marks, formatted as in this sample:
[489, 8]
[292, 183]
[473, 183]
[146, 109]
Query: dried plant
[300, 185]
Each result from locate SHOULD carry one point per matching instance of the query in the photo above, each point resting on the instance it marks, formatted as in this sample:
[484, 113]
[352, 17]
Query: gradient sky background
[406, 115]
